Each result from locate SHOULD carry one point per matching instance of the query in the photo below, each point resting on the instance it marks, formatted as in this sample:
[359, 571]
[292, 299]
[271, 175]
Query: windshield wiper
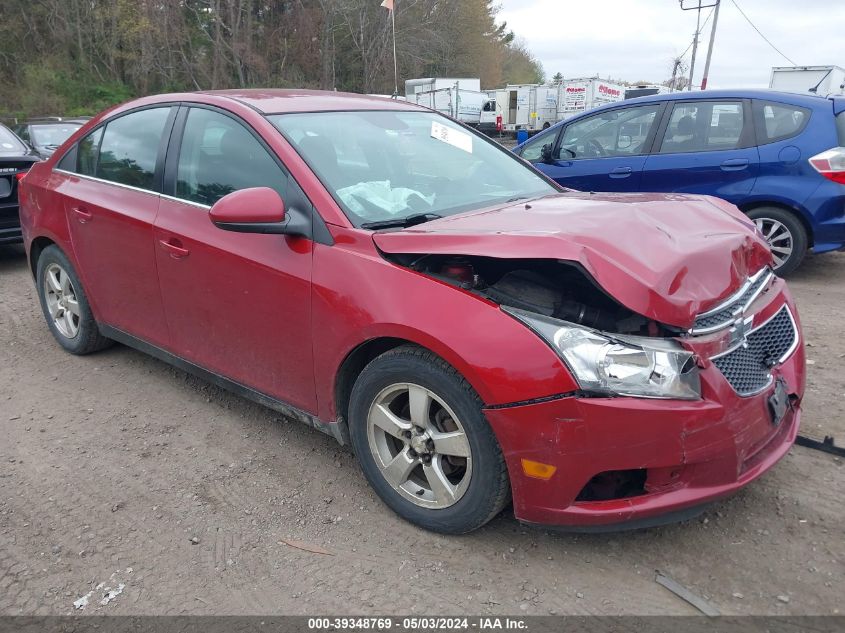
[408, 220]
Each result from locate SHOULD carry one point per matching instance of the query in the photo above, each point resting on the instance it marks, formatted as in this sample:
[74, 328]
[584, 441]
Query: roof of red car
[275, 101]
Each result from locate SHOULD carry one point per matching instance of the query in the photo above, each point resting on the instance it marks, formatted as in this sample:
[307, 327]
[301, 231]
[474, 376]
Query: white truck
[460, 104]
[458, 97]
[528, 107]
[580, 95]
[820, 80]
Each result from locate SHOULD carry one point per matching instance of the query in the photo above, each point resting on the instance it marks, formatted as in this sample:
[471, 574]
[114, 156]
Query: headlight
[619, 364]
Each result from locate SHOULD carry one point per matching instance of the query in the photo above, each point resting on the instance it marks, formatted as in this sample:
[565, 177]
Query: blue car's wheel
[785, 235]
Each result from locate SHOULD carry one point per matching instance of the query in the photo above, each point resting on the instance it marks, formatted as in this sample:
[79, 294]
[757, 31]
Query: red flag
[387, 4]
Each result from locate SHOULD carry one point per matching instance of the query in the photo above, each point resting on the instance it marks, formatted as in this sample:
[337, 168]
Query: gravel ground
[183, 499]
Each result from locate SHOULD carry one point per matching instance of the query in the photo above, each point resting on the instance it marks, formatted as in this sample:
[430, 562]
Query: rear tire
[65, 305]
[785, 234]
[439, 465]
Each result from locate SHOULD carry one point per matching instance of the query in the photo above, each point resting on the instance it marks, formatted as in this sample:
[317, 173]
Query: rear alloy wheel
[785, 236]
[424, 444]
[65, 305]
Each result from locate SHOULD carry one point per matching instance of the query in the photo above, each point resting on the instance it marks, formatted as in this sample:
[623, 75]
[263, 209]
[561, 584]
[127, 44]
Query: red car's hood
[668, 257]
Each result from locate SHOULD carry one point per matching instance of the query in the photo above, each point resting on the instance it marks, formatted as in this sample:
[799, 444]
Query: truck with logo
[578, 95]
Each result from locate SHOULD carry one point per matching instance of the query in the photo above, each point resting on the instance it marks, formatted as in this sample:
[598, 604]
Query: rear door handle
[82, 214]
[621, 172]
[734, 164]
[174, 247]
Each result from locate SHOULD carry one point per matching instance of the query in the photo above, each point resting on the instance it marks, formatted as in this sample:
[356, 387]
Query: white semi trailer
[820, 80]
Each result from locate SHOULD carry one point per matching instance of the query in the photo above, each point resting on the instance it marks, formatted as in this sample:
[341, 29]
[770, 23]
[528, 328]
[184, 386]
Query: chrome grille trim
[724, 314]
[743, 365]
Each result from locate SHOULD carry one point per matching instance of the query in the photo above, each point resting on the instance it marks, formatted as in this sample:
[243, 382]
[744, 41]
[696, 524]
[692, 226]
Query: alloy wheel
[62, 302]
[779, 238]
[419, 445]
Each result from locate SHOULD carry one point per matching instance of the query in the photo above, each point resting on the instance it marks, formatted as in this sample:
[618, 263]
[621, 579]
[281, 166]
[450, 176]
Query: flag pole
[395, 65]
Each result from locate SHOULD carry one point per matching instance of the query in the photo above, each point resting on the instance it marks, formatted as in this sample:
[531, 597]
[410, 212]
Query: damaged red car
[479, 335]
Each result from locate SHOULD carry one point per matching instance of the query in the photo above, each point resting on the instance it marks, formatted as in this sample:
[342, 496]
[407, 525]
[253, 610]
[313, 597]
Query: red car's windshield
[381, 166]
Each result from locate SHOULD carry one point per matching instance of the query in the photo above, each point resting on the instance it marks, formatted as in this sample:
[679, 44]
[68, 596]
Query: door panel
[111, 223]
[605, 151]
[705, 148]
[111, 231]
[237, 304]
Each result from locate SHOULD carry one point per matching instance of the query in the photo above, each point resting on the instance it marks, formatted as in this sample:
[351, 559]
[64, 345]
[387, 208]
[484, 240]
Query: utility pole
[697, 5]
[694, 45]
[710, 48]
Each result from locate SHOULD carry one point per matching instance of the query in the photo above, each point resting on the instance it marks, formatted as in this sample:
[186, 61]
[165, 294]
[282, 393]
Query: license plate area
[5, 187]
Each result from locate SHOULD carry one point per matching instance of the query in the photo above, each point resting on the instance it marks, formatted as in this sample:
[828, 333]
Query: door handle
[735, 164]
[621, 172]
[82, 214]
[174, 247]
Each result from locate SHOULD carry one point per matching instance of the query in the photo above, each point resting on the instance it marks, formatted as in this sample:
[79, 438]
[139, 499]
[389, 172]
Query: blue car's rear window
[840, 127]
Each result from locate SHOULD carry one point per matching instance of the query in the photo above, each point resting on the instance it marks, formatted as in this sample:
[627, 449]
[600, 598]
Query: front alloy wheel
[424, 444]
[420, 445]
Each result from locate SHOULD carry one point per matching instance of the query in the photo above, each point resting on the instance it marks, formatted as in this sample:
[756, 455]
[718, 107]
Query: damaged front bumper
[634, 462]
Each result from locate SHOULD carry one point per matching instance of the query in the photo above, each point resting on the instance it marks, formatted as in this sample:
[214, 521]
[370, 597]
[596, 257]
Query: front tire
[424, 444]
[785, 235]
[65, 305]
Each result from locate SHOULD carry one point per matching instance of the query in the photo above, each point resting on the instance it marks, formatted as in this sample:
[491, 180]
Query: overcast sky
[637, 39]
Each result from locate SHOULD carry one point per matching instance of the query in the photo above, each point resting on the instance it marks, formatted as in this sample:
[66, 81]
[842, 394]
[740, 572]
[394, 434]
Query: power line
[761, 35]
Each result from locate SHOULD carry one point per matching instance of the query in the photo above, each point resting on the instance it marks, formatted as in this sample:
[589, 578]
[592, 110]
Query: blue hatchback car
[779, 157]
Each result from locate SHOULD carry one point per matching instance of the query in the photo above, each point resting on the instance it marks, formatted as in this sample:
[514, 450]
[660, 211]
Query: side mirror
[254, 210]
[546, 153]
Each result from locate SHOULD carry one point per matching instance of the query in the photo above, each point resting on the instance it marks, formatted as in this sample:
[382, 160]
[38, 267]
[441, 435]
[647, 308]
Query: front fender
[358, 296]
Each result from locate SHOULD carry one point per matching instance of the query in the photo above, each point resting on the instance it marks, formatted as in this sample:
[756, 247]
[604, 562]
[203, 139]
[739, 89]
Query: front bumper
[688, 453]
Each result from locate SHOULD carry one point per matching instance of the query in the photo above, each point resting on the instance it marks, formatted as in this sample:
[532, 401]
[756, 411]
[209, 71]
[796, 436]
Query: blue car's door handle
[735, 164]
[621, 172]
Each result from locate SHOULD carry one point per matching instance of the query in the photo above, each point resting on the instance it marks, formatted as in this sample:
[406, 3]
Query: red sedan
[478, 334]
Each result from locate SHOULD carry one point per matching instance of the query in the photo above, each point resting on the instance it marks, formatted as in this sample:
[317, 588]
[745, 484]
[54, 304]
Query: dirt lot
[117, 469]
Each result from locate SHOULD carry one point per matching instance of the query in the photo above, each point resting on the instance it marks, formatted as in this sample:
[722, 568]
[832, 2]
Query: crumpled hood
[668, 257]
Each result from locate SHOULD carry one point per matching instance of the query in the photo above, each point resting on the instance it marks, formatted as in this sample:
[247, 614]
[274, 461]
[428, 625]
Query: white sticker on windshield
[450, 135]
[10, 146]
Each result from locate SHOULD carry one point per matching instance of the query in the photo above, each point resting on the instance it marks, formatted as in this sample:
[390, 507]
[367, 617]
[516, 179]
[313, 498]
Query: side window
[779, 121]
[87, 153]
[621, 132]
[219, 156]
[533, 149]
[129, 148]
[703, 126]
[22, 132]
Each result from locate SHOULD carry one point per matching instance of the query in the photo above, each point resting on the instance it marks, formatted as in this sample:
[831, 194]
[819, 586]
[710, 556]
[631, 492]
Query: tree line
[79, 56]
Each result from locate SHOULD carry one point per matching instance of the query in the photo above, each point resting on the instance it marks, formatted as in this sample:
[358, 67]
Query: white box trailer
[463, 105]
[580, 95]
[428, 84]
[820, 80]
[528, 107]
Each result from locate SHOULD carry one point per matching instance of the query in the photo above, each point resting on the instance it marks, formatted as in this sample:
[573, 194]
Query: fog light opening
[614, 484]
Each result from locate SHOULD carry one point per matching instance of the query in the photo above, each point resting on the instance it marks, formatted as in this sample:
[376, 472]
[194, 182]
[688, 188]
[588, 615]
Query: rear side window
[129, 148]
[779, 121]
[703, 126]
[219, 156]
[87, 153]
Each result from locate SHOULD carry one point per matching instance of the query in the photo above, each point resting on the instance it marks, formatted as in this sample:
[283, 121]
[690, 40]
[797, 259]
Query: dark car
[779, 157]
[401, 282]
[45, 135]
[15, 160]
